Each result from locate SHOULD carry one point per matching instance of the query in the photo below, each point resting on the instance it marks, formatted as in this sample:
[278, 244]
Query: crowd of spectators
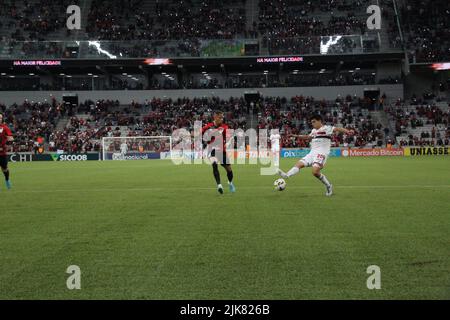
[420, 122]
[294, 18]
[80, 128]
[168, 20]
[33, 20]
[90, 121]
[428, 138]
[31, 120]
[177, 27]
[300, 26]
[292, 118]
[427, 29]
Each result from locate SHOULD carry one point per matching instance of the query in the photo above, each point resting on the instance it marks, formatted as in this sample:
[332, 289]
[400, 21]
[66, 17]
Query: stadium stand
[182, 28]
[421, 123]
[31, 120]
[80, 129]
[34, 20]
[176, 28]
[427, 29]
[168, 20]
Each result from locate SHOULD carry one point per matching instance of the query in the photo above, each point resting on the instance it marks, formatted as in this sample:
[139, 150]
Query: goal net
[136, 148]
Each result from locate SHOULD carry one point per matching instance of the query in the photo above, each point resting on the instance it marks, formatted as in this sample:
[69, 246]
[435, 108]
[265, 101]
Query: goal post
[136, 147]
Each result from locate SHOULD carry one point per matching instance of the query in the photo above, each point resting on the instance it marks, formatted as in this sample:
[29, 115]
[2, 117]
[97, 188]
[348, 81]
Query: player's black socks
[6, 174]
[216, 172]
[230, 175]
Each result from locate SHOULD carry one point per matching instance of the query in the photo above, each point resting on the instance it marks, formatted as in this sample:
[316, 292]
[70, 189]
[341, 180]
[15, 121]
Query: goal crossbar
[105, 141]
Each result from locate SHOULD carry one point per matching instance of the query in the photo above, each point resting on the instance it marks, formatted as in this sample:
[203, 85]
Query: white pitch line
[211, 188]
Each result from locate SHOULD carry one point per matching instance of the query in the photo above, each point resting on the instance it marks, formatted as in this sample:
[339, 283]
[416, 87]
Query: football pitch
[153, 230]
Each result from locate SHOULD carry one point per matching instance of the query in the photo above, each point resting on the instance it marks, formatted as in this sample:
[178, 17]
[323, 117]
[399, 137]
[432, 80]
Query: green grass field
[153, 230]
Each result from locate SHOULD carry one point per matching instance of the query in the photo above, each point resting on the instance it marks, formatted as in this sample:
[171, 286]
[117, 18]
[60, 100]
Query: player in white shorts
[320, 138]
[123, 149]
[275, 146]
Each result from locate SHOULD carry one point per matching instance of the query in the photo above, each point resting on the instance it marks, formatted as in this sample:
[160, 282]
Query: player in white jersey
[320, 138]
[275, 146]
[123, 149]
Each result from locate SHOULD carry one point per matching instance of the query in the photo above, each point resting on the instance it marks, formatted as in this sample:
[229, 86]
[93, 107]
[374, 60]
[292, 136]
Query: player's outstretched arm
[301, 136]
[343, 130]
[10, 138]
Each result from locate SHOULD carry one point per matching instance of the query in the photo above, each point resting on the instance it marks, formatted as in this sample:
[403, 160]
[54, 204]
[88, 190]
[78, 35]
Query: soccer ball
[279, 184]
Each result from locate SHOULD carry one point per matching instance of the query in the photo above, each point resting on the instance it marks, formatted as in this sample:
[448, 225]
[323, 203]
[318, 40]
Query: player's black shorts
[224, 160]
[4, 162]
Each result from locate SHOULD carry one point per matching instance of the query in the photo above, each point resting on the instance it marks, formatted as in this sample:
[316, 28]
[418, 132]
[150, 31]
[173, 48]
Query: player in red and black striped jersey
[5, 137]
[217, 151]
